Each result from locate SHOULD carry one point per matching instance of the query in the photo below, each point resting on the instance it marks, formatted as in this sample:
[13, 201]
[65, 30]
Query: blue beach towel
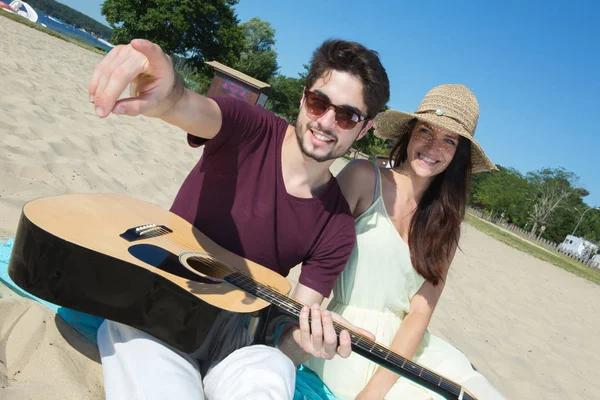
[308, 384]
[310, 387]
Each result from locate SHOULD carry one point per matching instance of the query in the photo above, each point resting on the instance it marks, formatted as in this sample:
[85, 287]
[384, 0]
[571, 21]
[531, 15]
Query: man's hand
[155, 86]
[318, 337]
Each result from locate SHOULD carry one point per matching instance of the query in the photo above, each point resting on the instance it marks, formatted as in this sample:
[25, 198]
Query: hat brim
[393, 124]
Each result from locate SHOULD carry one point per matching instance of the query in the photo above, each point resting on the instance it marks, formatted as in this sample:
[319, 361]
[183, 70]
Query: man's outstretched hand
[155, 86]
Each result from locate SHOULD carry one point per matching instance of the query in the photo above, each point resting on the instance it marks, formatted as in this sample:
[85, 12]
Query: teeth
[427, 159]
[321, 137]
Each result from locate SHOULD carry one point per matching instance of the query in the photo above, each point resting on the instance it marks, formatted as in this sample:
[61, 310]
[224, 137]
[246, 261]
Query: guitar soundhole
[166, 261]
[208, 267]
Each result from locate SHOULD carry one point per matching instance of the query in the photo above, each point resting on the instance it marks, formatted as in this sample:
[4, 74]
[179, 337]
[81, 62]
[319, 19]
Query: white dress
[374, 292]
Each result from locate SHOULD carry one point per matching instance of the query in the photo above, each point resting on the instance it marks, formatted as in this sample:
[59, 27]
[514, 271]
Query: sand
[530, 327]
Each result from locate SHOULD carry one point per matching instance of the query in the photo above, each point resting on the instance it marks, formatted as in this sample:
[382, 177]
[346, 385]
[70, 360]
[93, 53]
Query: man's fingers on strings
[305, 330]
[345, 348]
[330, 339]
[317, 329]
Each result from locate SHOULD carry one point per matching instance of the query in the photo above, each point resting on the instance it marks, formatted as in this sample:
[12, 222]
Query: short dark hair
[357, 60]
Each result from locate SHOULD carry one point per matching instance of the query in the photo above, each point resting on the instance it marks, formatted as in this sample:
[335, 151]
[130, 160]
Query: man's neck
[303, 176]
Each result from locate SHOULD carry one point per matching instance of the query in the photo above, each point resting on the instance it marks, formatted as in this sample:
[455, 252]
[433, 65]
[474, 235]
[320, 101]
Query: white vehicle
[577, 246]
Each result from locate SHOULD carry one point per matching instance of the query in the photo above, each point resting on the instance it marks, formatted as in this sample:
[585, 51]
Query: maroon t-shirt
[236, 196]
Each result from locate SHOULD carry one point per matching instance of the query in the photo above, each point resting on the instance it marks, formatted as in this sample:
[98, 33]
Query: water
[68, 30]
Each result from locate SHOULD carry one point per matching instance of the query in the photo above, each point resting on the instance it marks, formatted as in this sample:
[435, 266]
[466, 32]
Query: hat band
[447, 116]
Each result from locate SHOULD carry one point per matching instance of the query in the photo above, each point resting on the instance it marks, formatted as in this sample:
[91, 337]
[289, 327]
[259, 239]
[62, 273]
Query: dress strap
[377, 192]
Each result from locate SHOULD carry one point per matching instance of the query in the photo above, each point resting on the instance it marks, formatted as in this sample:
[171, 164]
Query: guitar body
[79, 251]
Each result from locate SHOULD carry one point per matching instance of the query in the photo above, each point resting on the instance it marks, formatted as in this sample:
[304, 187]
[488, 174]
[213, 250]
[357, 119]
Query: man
[263, 190]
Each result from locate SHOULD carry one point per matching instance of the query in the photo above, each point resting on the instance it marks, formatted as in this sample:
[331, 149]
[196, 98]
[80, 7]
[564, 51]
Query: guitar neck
[360, 343]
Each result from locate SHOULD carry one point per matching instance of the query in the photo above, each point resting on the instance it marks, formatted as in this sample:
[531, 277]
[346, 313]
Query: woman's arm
[357, 181]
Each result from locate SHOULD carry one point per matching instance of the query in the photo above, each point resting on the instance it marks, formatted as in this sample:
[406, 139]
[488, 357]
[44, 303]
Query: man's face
[320, 137]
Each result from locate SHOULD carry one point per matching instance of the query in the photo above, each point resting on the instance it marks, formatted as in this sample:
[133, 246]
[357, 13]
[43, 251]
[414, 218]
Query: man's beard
[332, 155]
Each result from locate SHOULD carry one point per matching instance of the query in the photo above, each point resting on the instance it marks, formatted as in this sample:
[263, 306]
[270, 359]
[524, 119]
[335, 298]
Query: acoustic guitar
[132, 262]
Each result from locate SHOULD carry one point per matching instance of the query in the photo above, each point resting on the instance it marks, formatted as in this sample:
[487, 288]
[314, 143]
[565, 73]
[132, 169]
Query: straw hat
[451, 107]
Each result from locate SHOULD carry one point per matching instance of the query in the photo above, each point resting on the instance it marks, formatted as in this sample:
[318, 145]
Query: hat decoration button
[439, 111]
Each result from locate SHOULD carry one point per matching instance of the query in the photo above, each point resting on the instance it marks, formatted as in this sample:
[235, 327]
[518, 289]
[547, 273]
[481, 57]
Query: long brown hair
[435, 226]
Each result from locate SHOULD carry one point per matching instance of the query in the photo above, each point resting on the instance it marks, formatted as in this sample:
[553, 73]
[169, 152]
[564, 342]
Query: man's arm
[156, 90]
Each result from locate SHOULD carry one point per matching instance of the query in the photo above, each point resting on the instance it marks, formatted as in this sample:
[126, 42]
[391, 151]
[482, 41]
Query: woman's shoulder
[357, 181]
[364, 168]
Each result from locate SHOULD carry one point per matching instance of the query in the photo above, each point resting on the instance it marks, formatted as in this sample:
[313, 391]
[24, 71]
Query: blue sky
[534, 66]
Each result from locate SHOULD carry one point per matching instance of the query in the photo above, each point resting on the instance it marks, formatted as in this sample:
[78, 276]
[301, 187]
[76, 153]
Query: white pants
[137, 366]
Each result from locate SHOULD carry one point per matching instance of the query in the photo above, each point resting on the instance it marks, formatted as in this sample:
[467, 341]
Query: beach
[531, 328]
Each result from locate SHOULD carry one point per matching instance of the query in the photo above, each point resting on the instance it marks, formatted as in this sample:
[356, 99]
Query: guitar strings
[293, 305]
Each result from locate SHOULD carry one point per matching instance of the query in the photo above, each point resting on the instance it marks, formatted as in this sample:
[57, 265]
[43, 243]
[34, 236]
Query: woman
[408, 226]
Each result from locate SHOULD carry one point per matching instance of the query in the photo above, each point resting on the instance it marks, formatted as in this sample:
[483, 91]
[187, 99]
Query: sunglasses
[346, 118]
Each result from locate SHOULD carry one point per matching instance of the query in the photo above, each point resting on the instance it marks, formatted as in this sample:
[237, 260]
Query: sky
[534, 66]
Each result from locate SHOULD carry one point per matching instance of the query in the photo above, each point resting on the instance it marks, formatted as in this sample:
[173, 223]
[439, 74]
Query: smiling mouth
[427, 160]
[321, 137]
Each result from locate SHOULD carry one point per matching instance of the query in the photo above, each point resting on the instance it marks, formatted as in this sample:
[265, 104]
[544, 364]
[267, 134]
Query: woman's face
[430, 149]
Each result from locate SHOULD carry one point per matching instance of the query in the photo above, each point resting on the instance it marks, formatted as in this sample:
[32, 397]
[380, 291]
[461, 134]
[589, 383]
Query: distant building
[596, 261]
[577, 246]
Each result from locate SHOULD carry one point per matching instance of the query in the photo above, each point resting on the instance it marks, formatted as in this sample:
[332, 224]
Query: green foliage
[550, 189]
[198, 81]
[565, 218]
[590, 226]
[372, 145]
[286, 94]
[199, 30]
[71, 16]
[258, 59]
[548, 197]
[503, 191]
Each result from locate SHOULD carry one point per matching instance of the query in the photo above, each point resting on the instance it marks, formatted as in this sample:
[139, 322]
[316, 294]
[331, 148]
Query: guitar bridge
[144, 232]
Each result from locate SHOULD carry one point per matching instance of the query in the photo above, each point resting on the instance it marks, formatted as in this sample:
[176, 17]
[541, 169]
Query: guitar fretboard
[360, 343]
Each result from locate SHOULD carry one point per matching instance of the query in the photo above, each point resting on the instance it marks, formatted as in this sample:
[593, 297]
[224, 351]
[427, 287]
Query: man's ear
[302, 99]
[365, 130]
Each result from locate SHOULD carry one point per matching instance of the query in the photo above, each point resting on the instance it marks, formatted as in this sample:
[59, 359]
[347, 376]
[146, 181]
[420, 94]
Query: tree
[590, 226]
[566, 216]
[502, 191]
[258, 58]
[550, 188]
[286, 94]
[372, 145]
[198, 30]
